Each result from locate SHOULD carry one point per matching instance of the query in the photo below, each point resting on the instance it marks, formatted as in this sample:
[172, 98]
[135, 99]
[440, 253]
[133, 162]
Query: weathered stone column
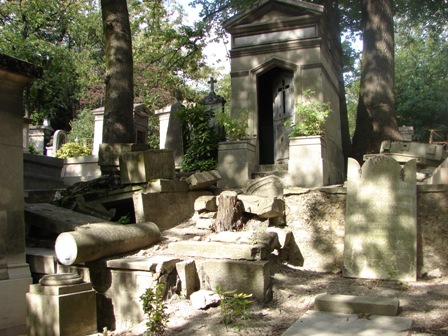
[15, 276]
[96, 241]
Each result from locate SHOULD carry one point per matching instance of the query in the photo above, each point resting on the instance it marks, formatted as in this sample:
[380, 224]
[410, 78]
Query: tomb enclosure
[15, 276]
[280, 49]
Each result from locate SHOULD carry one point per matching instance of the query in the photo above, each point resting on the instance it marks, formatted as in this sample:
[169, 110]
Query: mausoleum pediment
[271, 13]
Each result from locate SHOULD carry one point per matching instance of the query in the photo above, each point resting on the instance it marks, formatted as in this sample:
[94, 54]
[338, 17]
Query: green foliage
[82, 128]
[311, 116]
[72, 149]
[200, 137]
[235, 127]
[234, 306]
[126, 219]
[155, 309]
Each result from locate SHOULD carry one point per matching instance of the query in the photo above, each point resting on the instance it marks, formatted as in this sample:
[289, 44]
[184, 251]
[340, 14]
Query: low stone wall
[80, 169]
[317, 219]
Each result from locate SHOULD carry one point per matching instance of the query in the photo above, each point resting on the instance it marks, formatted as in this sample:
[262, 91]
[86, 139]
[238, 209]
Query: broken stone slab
[352, 304]
[317, 323]
[56, 219]
[289, 250]
[204, 220]
[95, 241]
[218, 250]
[154, 264]
[242, 276]
[203, 180]
[109, 155]
[204, 299]
[268, 239]
[143, 166]
[268, 186]
[188, 276]
[93, 208]
[264, 207]
[165, 186]
[205, 203]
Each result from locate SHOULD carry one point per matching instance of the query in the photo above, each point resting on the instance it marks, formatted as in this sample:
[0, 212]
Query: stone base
[13, 307]
[61, 310]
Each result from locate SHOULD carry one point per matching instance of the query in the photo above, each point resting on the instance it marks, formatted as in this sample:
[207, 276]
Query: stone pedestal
[15, 275]
[236, 161]
[58, 309]
[306, 166]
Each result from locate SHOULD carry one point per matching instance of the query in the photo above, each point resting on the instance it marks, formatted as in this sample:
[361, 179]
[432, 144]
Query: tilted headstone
[381, 220]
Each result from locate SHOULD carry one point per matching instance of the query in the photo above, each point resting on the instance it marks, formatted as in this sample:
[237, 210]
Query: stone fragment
[109, 155]
[165, 185]
[268, 239]
[188, 276]
[204, 299]
[268, 186]
[204, 220]
[95, 241]
[289, 250]
[264, 207]
[205, 203]
[155, 264]
[203, 180]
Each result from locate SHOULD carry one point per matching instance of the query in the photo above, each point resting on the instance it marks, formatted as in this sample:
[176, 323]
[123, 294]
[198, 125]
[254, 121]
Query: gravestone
[381, 220]
[280, 49]
[140, 116]
[15, 276]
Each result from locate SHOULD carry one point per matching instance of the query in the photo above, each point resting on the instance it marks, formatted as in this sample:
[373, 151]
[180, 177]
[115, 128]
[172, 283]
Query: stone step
[317, 323]
[351, 304]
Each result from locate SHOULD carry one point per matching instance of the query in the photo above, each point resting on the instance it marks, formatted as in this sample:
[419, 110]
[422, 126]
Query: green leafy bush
[82, 128]
[155, 309]
[200, 137]
[235, 128]
[311, 116]
[72, 149]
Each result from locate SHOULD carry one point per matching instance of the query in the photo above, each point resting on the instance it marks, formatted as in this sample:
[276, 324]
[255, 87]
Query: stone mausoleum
[279, 49]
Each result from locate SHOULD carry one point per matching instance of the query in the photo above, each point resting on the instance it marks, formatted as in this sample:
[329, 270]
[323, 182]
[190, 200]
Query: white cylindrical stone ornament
[96, 241]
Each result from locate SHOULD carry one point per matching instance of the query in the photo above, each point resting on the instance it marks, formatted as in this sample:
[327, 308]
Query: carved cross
[212, 84]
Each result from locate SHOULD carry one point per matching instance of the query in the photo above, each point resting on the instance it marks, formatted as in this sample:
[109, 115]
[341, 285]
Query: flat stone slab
[316, 323]
[56, 219]
[217, 250]
[351, 304]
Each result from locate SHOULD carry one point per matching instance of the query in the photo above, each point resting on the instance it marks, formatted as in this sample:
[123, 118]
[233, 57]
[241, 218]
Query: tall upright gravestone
[381, 220]
[15, 276]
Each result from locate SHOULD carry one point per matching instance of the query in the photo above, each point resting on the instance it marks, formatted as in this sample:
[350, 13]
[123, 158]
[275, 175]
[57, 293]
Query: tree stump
[230, 212]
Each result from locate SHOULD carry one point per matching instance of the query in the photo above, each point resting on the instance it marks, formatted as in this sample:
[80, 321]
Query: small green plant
[32, 148]
[72, 149]
[234, 127]
[126, 219]
[233, 305]
[155, 309]
[311, 116]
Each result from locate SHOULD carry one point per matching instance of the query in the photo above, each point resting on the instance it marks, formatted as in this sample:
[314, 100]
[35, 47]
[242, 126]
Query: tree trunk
[118, 126]
[376, 120]
[230, 212]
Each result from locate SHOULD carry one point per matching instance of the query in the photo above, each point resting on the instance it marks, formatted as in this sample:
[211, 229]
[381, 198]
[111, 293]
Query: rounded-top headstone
[62, 279]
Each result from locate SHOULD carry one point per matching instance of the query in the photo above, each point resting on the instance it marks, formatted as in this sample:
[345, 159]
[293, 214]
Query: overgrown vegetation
[234, 306]
[201, 138]
[155, 308]
[234, 126]
[72, 149]
[311, 116]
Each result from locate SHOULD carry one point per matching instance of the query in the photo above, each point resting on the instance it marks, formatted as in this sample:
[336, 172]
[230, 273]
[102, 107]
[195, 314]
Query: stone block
[263, 207]
[205, 203]
[41, 260]
[188, 276]
[165, 209]
[141, 167]
[249, 277]
[165, 186]
[61, 310]
[267, 239]
[351, 304]
[204, 220]
[154, 264]
[13, 307]
[109, 155]
[203, 180]
[204, 299]
[218, 250]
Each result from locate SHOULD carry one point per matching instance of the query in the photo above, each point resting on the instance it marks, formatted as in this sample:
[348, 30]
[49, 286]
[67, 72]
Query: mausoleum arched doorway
[275, 102]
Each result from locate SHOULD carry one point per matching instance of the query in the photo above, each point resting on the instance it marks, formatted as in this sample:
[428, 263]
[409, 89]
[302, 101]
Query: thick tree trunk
[376, 120]
[230, 212]
[118, 124]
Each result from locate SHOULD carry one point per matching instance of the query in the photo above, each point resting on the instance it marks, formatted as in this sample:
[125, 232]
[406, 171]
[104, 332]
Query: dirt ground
[424, 301]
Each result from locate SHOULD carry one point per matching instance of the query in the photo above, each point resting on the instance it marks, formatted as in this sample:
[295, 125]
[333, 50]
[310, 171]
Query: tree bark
[118, 126]
[376, 119]
[230, 212]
